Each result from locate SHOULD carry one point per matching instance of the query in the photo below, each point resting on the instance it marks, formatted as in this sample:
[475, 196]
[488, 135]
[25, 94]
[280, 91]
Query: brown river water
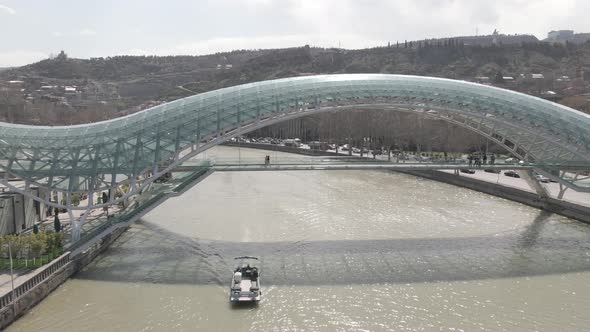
[339, 251]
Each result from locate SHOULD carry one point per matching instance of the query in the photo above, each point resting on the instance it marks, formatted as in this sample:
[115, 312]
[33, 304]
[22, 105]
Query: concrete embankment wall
[281, 148]
[568, 209]
[48, 278]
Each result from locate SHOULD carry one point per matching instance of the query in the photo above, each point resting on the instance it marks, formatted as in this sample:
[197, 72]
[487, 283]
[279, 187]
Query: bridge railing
[140, 204]
[348, 160]
[34, 280]
[311, 160]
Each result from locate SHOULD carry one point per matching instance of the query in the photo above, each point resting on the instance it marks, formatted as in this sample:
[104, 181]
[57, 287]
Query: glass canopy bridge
[124, 156]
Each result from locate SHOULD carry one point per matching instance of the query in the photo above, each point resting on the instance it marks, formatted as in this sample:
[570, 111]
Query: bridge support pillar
[529, 177]
[74, 225]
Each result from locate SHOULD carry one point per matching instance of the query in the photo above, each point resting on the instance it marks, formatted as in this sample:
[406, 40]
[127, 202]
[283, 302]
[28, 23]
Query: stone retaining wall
[34, 295]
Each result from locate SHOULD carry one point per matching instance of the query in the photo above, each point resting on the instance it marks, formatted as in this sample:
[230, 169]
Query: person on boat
[254, 274]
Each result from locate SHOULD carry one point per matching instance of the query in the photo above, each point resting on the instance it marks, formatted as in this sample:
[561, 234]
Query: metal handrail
[34, 280]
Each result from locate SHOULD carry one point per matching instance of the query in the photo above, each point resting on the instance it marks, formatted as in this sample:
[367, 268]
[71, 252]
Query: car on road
[490, 170]
[466, 170]
[511, 161]
[542, 178]
[512, 174]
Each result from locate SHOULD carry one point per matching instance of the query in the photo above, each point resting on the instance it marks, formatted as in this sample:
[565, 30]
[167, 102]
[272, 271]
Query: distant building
[560, 35]
[18, 212]
[496, 39]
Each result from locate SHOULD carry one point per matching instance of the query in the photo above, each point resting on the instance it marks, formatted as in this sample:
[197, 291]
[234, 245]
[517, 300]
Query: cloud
[7, 10]
[87, 32]
[20, 58]
[253, 24]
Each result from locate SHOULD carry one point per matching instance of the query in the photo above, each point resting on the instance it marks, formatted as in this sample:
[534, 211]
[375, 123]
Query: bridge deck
[351, 166]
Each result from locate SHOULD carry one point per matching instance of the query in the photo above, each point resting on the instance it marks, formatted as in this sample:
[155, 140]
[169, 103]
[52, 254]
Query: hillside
[114, 86]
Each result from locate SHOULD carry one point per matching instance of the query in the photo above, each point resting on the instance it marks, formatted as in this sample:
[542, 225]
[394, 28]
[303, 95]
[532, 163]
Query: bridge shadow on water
[149, 253]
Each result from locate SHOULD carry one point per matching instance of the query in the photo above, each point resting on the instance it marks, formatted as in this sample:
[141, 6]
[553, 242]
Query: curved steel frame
[139, 148]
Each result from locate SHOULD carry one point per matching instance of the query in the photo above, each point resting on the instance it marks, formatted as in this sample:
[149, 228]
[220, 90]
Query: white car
[542, 178]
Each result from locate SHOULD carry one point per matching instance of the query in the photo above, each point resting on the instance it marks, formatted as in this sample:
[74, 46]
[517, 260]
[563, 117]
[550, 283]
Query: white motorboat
[245, 282]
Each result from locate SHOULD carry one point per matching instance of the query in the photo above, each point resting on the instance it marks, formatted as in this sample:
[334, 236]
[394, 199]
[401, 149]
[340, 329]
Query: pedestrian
[470, 160]
[485, 159]
[493, 159]
[105, 199]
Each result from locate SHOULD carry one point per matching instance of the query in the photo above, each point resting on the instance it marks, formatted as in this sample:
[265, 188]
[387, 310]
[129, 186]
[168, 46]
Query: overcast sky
[30, 30]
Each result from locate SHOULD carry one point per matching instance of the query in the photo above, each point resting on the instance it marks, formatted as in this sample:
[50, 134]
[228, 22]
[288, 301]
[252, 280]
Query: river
[339, 251]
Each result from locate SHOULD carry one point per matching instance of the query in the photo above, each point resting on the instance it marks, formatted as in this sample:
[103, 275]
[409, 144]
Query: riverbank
[281, 148]
[33, 287]
[549, 204]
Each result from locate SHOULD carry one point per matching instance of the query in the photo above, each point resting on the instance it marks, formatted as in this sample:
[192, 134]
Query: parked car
[466, 170]
[512, 174]
[489, 170]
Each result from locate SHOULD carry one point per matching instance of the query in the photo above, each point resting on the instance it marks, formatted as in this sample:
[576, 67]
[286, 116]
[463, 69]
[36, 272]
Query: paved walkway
[519, 183]
[20, 276]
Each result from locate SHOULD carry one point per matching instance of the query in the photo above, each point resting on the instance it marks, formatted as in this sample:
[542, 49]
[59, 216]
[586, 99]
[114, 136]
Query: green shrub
[75, 199]
[37, 246]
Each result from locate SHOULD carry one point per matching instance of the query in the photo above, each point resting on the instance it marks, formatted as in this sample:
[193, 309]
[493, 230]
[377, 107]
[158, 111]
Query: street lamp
[11, 278]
